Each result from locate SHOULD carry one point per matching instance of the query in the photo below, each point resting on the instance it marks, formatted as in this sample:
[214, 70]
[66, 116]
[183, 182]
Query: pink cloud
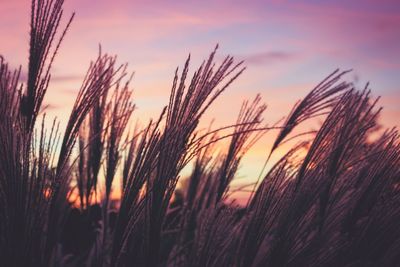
[139, 30]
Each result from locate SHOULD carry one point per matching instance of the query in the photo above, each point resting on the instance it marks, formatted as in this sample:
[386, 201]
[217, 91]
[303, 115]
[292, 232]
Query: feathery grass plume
[198, 182]
[9, 90]
[314, 104]
[120, 112]
[197, 194]
[208, 184]
[24, 170]
[323, 96]
[337, 205]
[12, 167]
[248, 120]
[96, 143]
[25, 165]
[317, 186]
[102, 75]
[264, 209]
[91, 146]
[182, 117]
[46, 17]
[130, 214]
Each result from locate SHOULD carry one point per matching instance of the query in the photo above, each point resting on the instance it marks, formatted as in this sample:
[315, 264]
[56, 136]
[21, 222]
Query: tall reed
[332, 199]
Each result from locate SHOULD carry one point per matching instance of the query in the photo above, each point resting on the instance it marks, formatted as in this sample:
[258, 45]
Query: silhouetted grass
[337, 205]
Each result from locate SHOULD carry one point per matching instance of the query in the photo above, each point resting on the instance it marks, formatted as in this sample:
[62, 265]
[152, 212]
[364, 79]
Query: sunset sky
[288, 47]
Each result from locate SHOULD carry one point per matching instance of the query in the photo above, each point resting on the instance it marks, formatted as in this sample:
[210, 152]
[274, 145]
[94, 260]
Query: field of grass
[337, 203]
